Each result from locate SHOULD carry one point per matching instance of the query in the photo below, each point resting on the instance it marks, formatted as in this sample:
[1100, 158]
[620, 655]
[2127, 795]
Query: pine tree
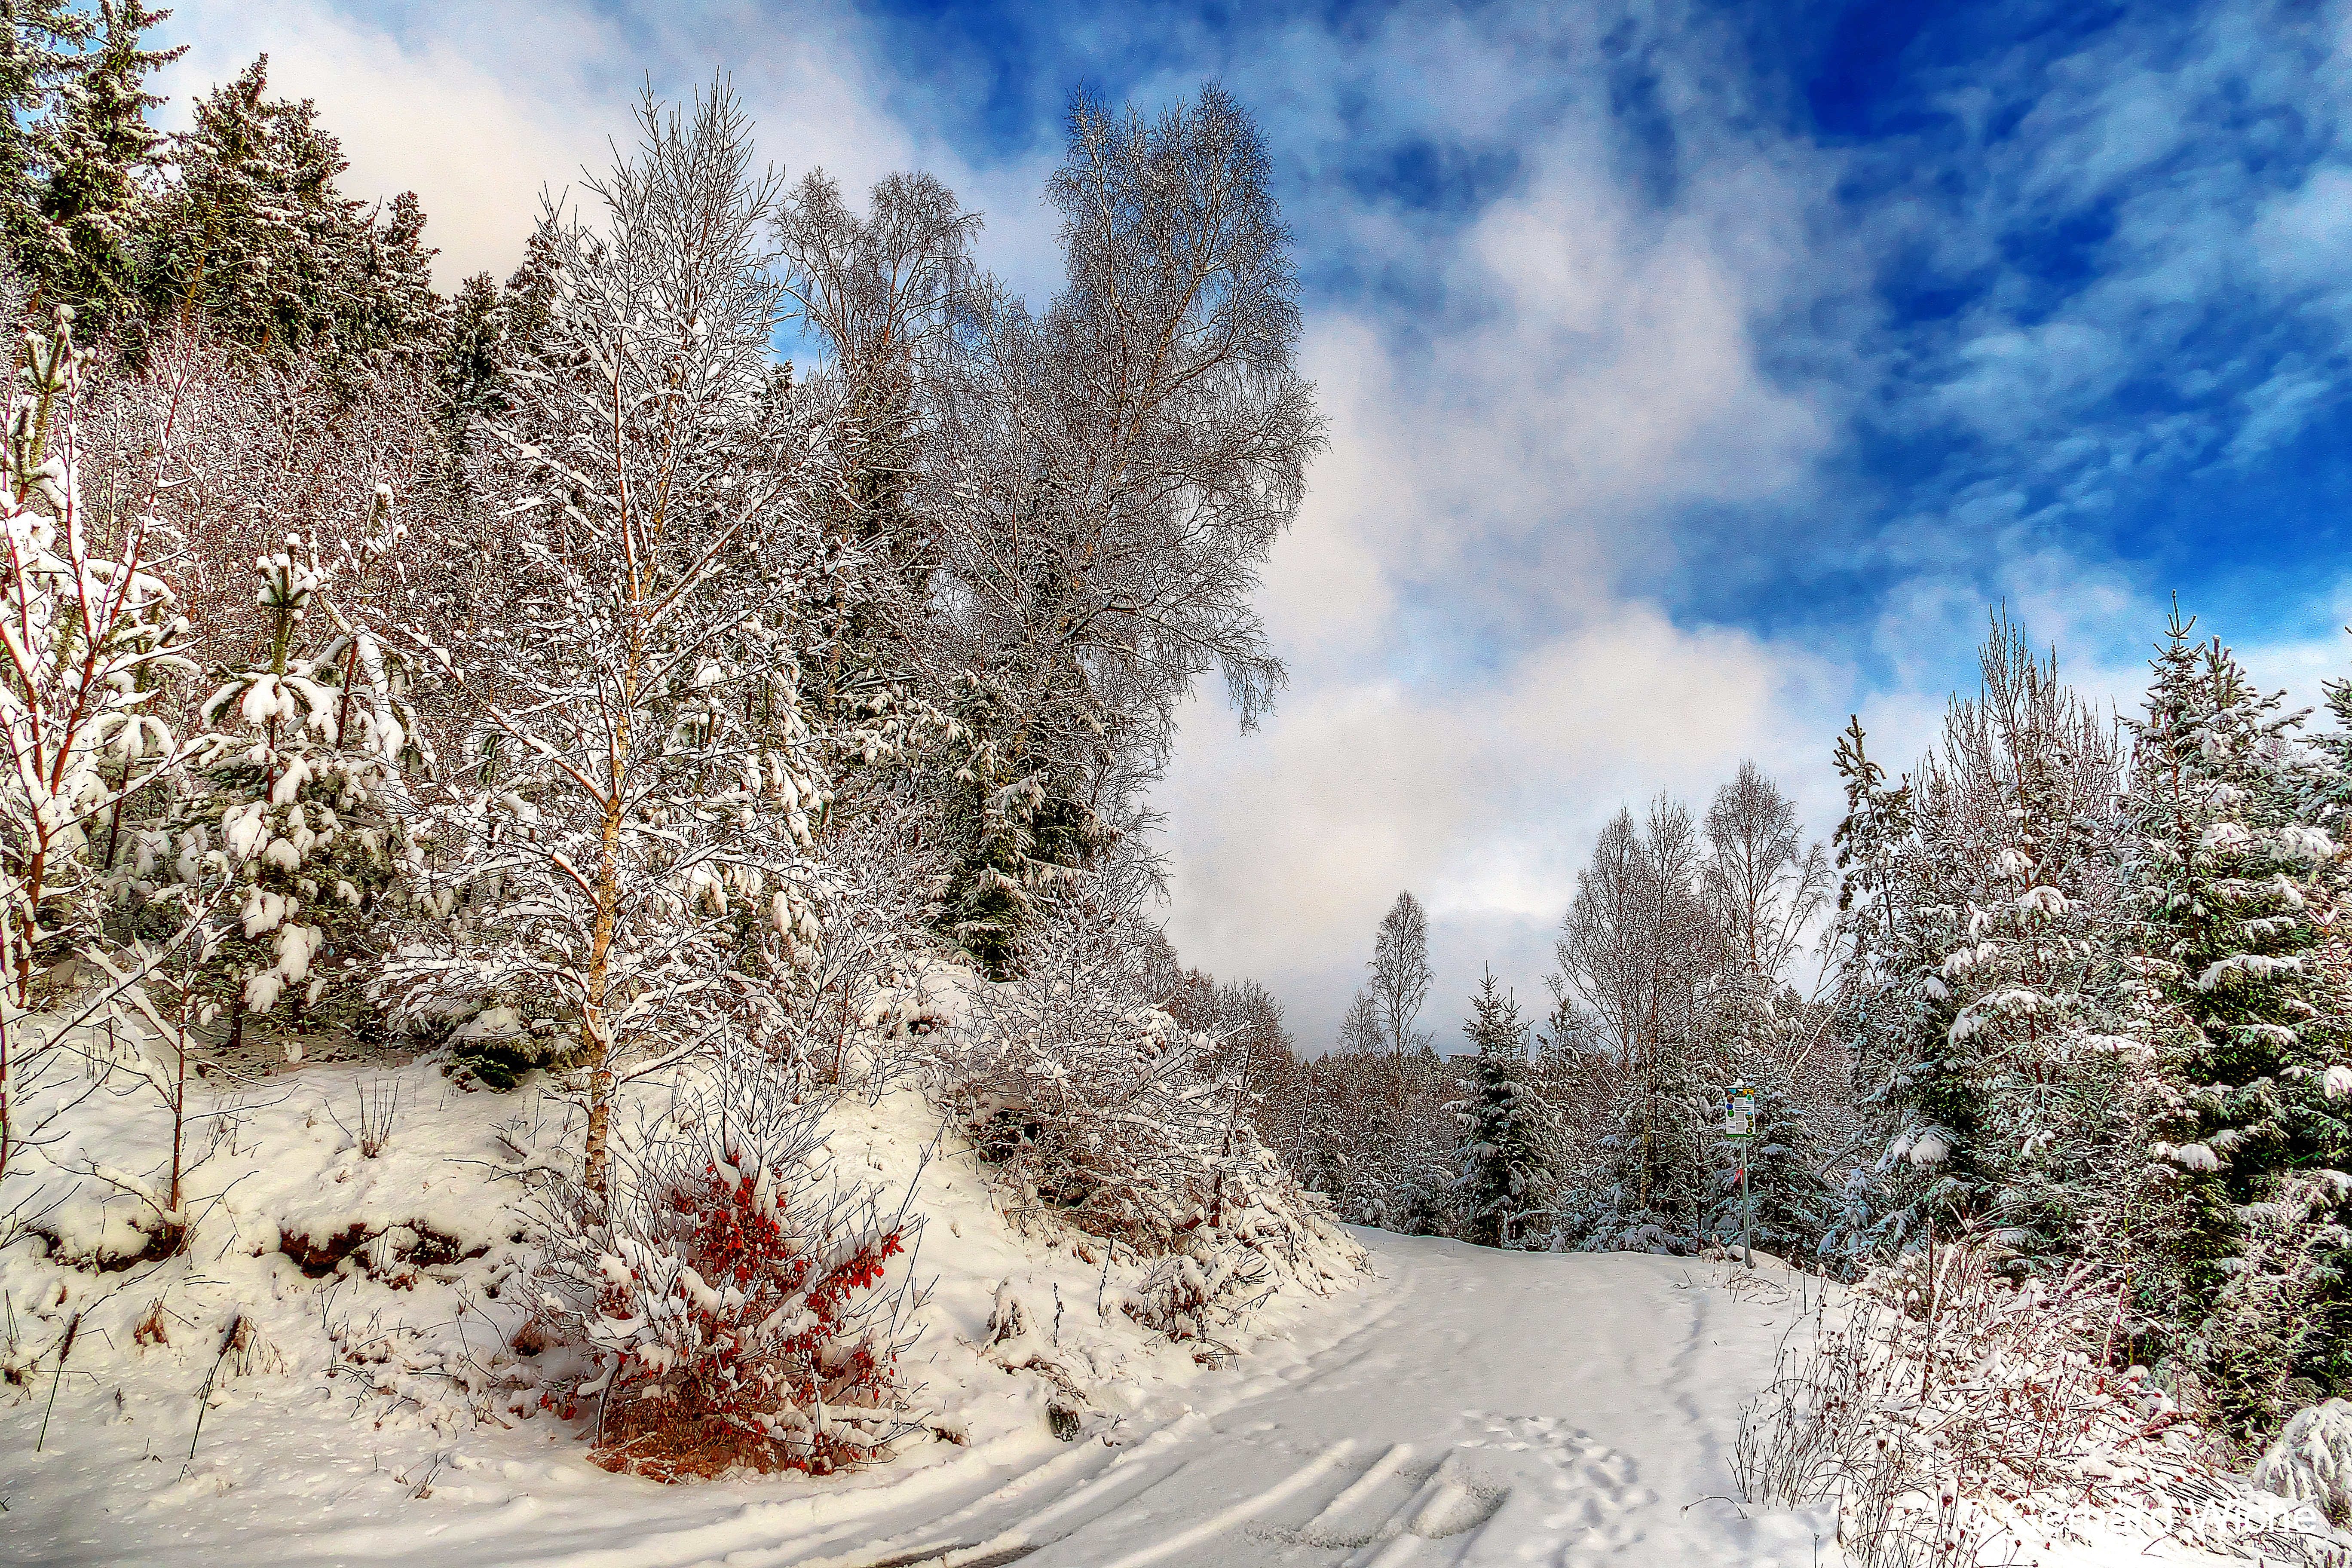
[99, 157]
[2233, 888]
[254, 238]
[1500, 1159]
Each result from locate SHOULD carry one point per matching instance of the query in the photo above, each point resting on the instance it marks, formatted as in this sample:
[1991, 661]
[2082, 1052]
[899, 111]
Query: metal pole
[1746, 1210]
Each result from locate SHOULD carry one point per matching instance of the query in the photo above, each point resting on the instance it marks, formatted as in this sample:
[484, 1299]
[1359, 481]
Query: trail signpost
[1740, 1126]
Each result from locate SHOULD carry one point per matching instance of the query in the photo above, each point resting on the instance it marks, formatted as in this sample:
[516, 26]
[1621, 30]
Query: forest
[2067, 994]
[556, 682]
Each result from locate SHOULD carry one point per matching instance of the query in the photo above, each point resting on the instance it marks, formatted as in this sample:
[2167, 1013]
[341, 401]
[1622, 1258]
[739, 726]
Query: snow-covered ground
[350, 1327]
[1461, 1406]
[1465, 1406]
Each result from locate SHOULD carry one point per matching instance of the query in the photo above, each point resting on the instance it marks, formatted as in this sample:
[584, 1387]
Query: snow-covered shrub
[1192, 1296]
[1088, 1099]
[2312, 1460]
[1948, 1409]
[735, 1301]
[1095, 1107]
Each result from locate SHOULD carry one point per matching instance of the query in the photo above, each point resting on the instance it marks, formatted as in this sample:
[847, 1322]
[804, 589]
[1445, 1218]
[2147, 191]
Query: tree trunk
[594, 1025]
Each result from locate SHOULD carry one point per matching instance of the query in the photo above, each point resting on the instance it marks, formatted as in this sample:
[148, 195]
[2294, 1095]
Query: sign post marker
[1740, 1126]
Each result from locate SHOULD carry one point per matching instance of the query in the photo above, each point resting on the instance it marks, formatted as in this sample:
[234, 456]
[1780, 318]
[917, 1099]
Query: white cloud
[1475, 693]
[474, 136]
[1479, 794]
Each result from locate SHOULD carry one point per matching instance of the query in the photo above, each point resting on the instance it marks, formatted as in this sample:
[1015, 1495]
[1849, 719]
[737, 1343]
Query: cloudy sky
[1695, 376]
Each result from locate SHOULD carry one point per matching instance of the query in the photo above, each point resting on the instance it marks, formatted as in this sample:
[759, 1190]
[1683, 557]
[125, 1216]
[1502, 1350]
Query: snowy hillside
[353, 1330]
[348, 1327]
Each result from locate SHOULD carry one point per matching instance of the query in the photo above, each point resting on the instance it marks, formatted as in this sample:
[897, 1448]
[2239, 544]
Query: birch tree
[648, 790]
[1113, 472]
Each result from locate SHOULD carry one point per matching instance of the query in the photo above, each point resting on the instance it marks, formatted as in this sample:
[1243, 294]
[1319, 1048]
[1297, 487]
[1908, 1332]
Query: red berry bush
[738, 1303]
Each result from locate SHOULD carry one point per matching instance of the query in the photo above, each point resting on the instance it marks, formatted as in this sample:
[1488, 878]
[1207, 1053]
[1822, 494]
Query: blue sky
[1697, 374]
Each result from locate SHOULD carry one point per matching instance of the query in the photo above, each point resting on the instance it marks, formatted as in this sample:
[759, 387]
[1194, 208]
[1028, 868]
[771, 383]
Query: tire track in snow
[1469, 1409]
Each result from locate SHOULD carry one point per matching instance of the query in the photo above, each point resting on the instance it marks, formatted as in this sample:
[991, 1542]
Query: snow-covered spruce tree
[253, 237]
[298, 774]
[1029, 831]
[652, 778]
[1880, 999]
[1501, 1156]
[97, 158]
[2233, 890]
[45, 50]
[2002, 1091]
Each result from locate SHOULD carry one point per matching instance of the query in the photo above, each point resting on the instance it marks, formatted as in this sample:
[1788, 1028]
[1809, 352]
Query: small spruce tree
[1500, 1161]
[300, 775]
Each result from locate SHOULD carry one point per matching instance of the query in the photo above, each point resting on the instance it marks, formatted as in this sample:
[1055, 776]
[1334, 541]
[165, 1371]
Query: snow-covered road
[1474, 1407]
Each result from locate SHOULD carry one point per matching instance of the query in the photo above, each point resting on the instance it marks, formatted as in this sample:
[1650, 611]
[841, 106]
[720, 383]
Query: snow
[1931, 1148]
[2312, 1460]
[1452, 1404]
[1459, 1399]
[376, 1399]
